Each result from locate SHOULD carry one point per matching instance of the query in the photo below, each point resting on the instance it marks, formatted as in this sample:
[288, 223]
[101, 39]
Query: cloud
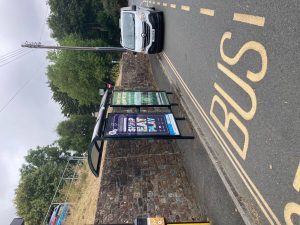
[31, 118]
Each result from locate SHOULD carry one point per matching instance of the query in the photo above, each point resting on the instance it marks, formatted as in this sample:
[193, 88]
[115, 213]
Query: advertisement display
[140, 124]
[138, 98]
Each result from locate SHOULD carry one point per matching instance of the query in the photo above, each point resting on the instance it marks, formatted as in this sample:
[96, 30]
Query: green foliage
[70, 106]
[71, 17]
[39, 178]
[115, 71]
[74, 78]
[112, 8]
[42, 155]
[80, 74]
[87, 19]
[76, 132]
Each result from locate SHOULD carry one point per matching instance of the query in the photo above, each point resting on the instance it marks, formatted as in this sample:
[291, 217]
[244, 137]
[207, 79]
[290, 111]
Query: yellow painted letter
[247, 115]
[290, 209]
[228, 117]
[251, 45]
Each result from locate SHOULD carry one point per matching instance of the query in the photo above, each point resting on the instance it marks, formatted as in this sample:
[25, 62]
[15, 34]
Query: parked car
[62, 215]
[142, 29]
[59, 214]
[55, 215]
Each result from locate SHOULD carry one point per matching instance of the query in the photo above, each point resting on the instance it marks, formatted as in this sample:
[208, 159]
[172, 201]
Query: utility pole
[75, 48]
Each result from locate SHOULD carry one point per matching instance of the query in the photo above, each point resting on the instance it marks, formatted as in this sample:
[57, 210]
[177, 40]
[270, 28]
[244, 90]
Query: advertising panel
[138, 98]
[140, 124]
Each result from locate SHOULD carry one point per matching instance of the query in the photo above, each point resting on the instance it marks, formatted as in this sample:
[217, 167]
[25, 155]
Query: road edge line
[228, 185]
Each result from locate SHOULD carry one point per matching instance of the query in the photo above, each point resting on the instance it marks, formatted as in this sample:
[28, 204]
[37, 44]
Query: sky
[31, 117]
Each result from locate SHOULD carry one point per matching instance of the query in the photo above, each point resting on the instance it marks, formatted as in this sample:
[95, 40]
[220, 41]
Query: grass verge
[83, 196]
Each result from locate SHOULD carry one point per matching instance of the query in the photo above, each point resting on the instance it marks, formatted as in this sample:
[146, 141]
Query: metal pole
[71, 178]
[77, 158]
[75, 48]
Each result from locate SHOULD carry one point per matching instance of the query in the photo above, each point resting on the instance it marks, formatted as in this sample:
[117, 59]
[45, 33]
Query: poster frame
[141, 105]
[130, 137]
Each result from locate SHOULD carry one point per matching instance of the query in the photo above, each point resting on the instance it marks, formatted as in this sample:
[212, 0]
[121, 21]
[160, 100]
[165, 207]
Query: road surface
[237, 64]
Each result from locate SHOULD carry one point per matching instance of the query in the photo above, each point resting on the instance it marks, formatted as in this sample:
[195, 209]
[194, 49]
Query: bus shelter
[132, 126]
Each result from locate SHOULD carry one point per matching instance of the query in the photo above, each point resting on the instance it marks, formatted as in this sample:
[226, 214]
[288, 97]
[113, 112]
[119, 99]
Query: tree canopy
[70, 106]
[85, 18]
[76, 132]
[80, 74]
[70, 17]
[39, 178]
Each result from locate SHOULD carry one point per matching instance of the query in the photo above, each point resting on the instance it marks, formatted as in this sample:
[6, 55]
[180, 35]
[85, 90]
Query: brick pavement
[144, 177]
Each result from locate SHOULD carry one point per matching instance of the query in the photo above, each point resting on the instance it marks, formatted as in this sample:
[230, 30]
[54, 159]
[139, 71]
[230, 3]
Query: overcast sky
[32, 116]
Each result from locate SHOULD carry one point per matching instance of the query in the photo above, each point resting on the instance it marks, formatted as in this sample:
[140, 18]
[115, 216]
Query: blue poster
[142, 124]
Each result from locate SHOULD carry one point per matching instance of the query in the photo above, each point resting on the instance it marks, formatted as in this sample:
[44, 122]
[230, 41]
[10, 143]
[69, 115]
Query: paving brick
[143, 177]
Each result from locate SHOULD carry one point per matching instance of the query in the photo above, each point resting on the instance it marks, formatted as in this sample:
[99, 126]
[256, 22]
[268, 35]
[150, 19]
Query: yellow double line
[267, 211]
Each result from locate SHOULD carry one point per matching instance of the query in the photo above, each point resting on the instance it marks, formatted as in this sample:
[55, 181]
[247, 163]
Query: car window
[128, 30]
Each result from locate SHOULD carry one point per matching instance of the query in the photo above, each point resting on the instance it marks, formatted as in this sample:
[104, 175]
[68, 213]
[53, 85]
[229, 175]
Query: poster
[142, 124]
[125, 98]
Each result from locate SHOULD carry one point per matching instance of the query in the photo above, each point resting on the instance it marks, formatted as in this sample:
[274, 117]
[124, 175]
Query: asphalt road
[237, 64]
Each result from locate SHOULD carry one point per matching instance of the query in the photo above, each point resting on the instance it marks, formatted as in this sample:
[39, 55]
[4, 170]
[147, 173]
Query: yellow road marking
[250, 19]
[173, 6]
[158, 3]
[185, 8]
[250, 45]
[296, 183]
[165, 4]
[208, 12]
[267, 211]
[291, 209]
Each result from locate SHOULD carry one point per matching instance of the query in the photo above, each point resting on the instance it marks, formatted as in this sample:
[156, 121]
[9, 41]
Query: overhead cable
[10, 53]
[20, 89]
[7, 57]
[16, 58]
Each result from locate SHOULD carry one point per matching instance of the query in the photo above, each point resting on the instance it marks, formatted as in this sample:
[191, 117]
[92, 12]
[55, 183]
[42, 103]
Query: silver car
[142, 29]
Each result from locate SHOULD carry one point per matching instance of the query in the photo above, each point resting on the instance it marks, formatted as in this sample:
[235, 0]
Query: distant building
[17, 221]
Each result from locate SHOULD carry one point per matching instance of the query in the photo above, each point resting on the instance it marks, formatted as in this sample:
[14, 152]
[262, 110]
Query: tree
[39, 179]
[112, 8]
[42, 155]
[70, 106]
[35, 192]
[70, 16]
[80, 74]
[76, 133]
[82, 18]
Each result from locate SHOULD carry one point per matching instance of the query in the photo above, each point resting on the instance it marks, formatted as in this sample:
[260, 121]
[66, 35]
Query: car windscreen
[128, 30]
